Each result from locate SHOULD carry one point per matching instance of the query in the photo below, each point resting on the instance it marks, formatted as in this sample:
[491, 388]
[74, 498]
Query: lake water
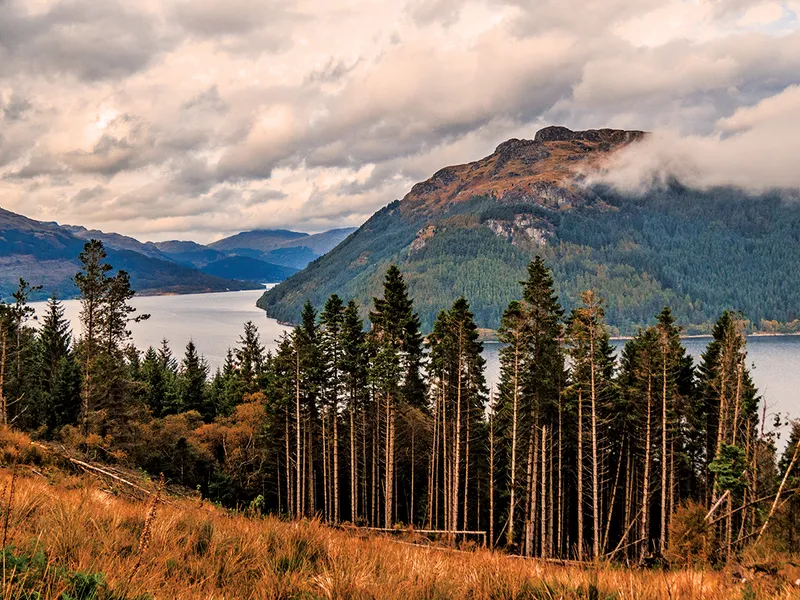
[215, 321]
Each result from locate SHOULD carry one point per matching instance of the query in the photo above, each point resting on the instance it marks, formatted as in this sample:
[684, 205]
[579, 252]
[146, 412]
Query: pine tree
[729, 406]
[332, 349]
[513, 333]
[354, 374]
[457, 364]
[250, 359]
[58, 372]
[193, 377]
[592, 361]
[396, 368]
[92, 283]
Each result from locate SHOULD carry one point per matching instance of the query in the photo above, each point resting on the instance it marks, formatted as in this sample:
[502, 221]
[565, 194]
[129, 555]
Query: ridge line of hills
[46, 254]
[471, 229]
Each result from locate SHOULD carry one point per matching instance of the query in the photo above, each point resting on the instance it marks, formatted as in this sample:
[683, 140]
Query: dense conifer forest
[698, 252]
[575, 454]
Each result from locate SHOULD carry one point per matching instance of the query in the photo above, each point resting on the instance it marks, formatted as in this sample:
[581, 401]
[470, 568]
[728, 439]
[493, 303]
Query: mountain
[262, 240]
[245, 268]
[282, 247]
[117, 241]
[46, 254]
[189, 254]
[471, 229]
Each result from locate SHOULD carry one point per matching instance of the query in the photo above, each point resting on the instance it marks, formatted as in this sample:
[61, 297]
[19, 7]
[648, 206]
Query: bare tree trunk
[595, 470]
[87, 377]
[413, 476]
[289, 500]
[514, 423]
[629, 478]
[610, 513]
[491, 478]
[466, 474]
[457, 437]
[336, 510]
[671, 485]
[663, 538]
[353, 467]
[326, 489]
[543, 530]
[560, 515]
[298, 465]
[643, 532]
[580, 474]
[364, 513]
[446, 466]
[373, 488]
[530, 494]
[390, 417]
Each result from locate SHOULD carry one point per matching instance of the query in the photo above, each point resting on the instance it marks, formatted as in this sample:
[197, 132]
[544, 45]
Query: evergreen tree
[729, 406]
[92, 283]
[58, 372]
[592, 368]
[459, 400]
[17, 356]
[354, 374]
[250, 359]
[333, 392]
[193, 377]
[396, 368]
[513, 333]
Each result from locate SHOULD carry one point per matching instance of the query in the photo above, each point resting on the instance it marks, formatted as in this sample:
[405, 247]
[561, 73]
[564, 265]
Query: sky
[195, 119]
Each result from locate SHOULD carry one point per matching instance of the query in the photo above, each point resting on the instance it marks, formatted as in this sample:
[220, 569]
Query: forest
[576, 454]
[698, 252]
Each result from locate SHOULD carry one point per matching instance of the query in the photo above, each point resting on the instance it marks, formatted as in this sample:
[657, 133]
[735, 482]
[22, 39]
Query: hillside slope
[471, 229]
[79, 533]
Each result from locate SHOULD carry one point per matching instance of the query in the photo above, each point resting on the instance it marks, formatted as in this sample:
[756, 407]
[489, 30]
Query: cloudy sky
[193, 119]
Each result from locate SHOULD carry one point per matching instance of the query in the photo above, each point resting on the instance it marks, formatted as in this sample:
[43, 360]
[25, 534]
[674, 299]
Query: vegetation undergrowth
[73, 538]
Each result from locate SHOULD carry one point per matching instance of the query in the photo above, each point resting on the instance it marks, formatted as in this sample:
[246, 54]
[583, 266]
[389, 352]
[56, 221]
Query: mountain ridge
[471, 229]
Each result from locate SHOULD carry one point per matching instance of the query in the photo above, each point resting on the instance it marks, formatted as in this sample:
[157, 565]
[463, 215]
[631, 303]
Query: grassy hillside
[71, 535]
[471, 229]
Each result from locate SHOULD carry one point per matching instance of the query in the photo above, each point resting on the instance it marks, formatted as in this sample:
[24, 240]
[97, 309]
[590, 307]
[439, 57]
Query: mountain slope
[117, 241]
[262, 240]
[244, 268]
[471, 229]
[282, 247]
[189, 254]
[46, 254]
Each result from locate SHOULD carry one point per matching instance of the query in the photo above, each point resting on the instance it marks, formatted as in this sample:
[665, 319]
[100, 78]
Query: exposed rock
[557, 133]
[523, 229]
[423, 235]
[544, 171]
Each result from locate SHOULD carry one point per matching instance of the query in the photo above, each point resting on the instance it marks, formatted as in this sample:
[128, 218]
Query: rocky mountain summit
[471, 229]
[543, 170]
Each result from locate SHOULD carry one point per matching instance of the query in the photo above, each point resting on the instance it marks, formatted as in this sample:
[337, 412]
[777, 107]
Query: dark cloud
[88, 39]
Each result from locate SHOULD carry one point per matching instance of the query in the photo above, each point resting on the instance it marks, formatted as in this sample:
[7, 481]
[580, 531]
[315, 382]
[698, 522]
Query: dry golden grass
[200, 551]
[74, 527]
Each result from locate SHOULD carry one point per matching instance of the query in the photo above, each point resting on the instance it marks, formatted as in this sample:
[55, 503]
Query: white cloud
[756, 149]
